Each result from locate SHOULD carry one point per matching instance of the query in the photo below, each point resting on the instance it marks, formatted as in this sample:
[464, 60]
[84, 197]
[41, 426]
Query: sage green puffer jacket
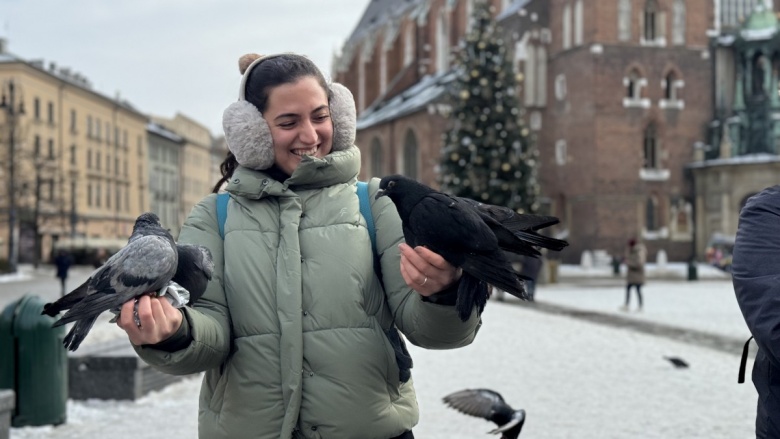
[290, 330]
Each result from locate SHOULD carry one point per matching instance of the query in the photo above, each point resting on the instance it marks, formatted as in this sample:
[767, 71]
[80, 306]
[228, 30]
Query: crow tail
[471, 292]
[496, 271]
[78, 332]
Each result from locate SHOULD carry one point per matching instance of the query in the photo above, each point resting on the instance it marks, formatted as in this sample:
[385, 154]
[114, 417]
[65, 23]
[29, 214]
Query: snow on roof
[163, 132]
[739, 160]
[411, 100]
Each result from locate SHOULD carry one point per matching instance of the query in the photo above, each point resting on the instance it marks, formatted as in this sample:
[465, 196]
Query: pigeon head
[147, 219]
[398, 186]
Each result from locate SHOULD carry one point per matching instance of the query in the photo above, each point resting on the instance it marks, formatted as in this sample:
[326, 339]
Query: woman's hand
[159, 320]
[425, 271]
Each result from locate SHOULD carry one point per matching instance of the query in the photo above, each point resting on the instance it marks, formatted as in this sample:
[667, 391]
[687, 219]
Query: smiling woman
[298, 333]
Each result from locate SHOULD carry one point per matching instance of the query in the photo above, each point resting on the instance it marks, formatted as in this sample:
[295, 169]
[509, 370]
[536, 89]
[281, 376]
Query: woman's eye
[322, 117]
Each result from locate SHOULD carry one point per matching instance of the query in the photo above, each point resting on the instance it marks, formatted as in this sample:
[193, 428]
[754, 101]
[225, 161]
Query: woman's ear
[344, 116]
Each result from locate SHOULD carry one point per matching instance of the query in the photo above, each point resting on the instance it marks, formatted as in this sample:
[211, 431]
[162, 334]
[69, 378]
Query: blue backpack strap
[365, 210]
[222, 202]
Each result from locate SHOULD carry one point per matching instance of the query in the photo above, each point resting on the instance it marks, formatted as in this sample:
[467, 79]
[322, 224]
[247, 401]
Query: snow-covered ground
[574, 378]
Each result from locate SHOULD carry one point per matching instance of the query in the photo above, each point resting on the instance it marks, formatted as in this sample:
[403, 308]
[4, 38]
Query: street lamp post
[12, 109]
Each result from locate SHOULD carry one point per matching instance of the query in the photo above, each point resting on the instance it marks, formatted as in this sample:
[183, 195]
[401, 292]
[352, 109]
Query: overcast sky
[168, 56]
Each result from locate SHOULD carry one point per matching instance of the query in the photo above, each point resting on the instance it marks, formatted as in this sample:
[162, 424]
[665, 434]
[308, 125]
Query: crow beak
[380, 193]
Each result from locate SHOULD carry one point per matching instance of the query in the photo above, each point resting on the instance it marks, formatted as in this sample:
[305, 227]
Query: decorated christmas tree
[487, 153]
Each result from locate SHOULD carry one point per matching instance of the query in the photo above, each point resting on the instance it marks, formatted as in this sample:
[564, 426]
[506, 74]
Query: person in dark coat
[63, 261]
[636, 256]
[756, 279]
[530, 271]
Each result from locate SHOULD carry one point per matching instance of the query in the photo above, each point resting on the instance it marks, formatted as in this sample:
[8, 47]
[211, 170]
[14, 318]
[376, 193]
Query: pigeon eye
[390, 184]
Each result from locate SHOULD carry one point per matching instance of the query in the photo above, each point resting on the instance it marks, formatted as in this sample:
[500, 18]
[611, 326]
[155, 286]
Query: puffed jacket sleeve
[205, 335]
[756, 269]
[424, 323]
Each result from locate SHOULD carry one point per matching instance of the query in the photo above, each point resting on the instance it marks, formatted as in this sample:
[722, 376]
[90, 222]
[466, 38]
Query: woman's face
[299, 117]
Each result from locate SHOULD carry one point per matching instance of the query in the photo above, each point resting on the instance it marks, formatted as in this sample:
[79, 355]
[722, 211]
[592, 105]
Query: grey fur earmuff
[248, 135]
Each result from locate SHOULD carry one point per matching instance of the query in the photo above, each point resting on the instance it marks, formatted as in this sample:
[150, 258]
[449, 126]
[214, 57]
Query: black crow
[194, 269]
[517, 233]
[147, 263]
[677, 362]
[452, 228]
[487, 404]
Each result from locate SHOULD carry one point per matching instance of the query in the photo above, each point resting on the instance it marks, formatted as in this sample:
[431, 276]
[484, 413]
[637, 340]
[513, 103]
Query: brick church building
[619, 96]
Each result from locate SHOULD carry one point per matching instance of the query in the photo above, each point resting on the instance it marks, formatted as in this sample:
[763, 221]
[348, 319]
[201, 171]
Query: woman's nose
[308, 133]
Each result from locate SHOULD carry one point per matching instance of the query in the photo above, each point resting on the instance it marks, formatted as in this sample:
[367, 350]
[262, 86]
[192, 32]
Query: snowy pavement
[574, 378]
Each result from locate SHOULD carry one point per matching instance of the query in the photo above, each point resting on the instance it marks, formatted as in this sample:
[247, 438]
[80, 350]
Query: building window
[442, 42]
[97, 129]
[89, 194]
[525, 52]
[50, 108]
[98, 195]
[108, 196]
[97, 160]
[560, 152]
[409, 44]
[37, 108]
[409, 159]
[651, 156]
[578, 23]
[634, 84]
[72, 154]
[651, 214]
[653, 24]
[108, 132]
[376, 158]
[624, 20]
[678, 23]
[37, 146]
[671, 86]
[382, 71]
[73, 121]
[89, 127]
[89, 159]
[541, 76]
[566, 23]
[51, 149]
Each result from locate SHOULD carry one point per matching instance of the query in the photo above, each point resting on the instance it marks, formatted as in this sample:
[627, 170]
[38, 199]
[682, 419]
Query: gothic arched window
[624, 20]
[410, 157]
[376, 158]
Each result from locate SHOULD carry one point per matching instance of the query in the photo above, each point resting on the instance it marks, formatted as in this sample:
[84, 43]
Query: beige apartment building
[79, 159]
[195, 160]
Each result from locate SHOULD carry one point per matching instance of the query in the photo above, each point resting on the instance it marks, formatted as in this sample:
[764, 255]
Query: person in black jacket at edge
[756, 277]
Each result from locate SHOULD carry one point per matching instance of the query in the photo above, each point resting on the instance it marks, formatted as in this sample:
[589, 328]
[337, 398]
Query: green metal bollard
[33, 363]
[693, 272]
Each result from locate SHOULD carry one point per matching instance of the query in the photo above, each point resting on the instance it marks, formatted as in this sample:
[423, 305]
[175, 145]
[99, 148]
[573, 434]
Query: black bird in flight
[147, 263]
[677, 362]
[489, 405]
[460, 231]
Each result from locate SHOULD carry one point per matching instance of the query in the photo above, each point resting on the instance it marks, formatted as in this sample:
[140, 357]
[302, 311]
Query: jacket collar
[337, 167]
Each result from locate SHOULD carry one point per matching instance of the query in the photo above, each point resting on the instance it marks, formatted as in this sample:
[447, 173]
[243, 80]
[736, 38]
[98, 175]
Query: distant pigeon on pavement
[489, 405]
[147, 263]
[678, 362]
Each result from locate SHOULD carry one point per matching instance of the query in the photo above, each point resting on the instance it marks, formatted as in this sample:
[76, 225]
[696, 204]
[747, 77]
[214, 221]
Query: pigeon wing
[481, 403]
[146, 264]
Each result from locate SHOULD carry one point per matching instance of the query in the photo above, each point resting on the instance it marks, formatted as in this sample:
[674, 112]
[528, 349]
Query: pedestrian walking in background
[63, 261]
[635, 258]
[296, 331]
[530, 271]
[755, 270]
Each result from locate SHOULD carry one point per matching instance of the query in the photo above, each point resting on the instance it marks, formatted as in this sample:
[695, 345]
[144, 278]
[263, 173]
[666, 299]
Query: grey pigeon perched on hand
[452, 228]
[147, 263]
[490, 405]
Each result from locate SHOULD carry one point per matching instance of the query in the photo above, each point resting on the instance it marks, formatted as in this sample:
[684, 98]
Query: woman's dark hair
[282, 69]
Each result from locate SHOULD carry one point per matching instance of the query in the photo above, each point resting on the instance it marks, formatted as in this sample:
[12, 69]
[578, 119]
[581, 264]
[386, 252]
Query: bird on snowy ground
[147, 263]
[489, 405]
[677, 362]
[459, 230]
